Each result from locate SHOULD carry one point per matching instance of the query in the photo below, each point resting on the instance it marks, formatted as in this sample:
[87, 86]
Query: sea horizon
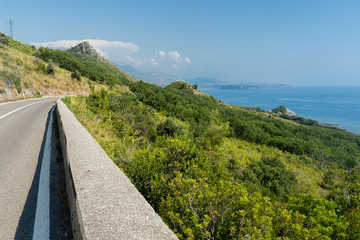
[336, 105]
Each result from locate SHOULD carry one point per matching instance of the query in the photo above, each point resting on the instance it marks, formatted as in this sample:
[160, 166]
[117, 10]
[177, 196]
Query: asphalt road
[23, 126]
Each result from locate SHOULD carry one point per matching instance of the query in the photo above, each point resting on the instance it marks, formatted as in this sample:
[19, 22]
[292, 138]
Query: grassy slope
[101, 127]
[17, 63]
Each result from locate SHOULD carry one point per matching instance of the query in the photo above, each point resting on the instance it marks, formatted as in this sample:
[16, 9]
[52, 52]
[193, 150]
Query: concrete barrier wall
[104, 204]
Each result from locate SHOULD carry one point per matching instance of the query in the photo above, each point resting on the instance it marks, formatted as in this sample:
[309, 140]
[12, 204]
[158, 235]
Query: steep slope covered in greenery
[326, 145]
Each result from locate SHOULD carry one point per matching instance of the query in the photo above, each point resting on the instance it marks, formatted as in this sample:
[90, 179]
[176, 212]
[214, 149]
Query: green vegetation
[8, 41]
[50, 69]
[206, 182]
[3, 39]
[280, 109]
[271, 174]
[326, 145]
[38, 94]
[76, 75]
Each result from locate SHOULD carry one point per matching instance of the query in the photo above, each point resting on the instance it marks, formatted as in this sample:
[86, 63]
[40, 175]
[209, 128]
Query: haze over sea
[332, 105]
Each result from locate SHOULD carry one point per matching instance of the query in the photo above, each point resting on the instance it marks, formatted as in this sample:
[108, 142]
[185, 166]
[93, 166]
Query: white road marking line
[21, 108]
[42, 215]
[23, 100]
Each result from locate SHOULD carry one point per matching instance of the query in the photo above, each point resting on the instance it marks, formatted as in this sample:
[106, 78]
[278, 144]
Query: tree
[195, 86]
[272, 175]
[217, 131]
[76, 75]
[50, 69]
[168, 127]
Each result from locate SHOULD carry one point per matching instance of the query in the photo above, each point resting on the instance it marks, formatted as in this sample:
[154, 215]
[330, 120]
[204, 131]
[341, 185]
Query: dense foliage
[327, 145]
[194, 175]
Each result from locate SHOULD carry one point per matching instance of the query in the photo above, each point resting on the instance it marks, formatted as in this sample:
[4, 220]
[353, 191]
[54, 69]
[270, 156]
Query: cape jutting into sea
[331, 105]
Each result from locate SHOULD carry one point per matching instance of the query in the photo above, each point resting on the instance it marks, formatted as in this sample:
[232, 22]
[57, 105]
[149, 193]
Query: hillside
[212, 170]
[31, 77]
[185, 154]
[216, 171]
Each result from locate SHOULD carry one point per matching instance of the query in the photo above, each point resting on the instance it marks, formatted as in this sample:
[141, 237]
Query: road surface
[27, 166]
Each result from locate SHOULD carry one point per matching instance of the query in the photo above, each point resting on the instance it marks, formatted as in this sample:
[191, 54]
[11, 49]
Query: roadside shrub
[18, 84]
[38, 94]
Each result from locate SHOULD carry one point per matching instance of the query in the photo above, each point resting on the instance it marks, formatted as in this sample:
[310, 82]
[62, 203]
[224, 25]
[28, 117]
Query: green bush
[19, 62]
[76, 75]
[168, 128]
[271, 174]
[28, 68]
[50, 69]
[280, 109]
[4, 40]
[38, 94]
[40, 66]
[18, 84]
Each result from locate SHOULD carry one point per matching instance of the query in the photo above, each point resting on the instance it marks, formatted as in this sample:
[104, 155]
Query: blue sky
[294, 42]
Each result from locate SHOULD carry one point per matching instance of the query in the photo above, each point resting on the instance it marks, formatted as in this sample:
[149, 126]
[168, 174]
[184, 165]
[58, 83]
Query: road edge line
[42, 215]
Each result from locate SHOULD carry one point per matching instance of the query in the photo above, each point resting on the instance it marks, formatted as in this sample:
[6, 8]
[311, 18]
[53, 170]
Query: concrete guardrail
[103, 203]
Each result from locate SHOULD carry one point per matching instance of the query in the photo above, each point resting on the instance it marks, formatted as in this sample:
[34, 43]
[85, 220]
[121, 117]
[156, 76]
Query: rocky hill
[85, 49]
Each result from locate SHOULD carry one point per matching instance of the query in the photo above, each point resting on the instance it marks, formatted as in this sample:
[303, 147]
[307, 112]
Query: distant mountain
[213, 83]
[249, 86]
[204, 80]
[160, 79]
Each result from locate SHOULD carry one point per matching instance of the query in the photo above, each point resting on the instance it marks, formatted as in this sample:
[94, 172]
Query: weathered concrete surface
[104, 203]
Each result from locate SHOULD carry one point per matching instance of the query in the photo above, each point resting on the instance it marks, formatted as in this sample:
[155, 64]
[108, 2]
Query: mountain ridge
[85, 49]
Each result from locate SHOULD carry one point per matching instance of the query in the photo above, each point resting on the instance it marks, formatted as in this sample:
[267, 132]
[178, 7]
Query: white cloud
[133, 60]
[161, 53]
[114, 50]
[175, 55]
[175, 67]
[154, 62]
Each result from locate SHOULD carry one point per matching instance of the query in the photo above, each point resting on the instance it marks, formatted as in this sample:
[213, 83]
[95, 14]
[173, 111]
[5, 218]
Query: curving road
[23, 127]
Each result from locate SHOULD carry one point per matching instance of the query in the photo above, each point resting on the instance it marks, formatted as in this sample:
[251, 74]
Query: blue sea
[332, 105]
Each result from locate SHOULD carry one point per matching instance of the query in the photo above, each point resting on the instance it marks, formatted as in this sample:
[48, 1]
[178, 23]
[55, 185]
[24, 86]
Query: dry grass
[24, 67]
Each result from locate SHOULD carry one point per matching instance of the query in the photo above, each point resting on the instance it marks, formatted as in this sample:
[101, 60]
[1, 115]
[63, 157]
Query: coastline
[330, 106]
